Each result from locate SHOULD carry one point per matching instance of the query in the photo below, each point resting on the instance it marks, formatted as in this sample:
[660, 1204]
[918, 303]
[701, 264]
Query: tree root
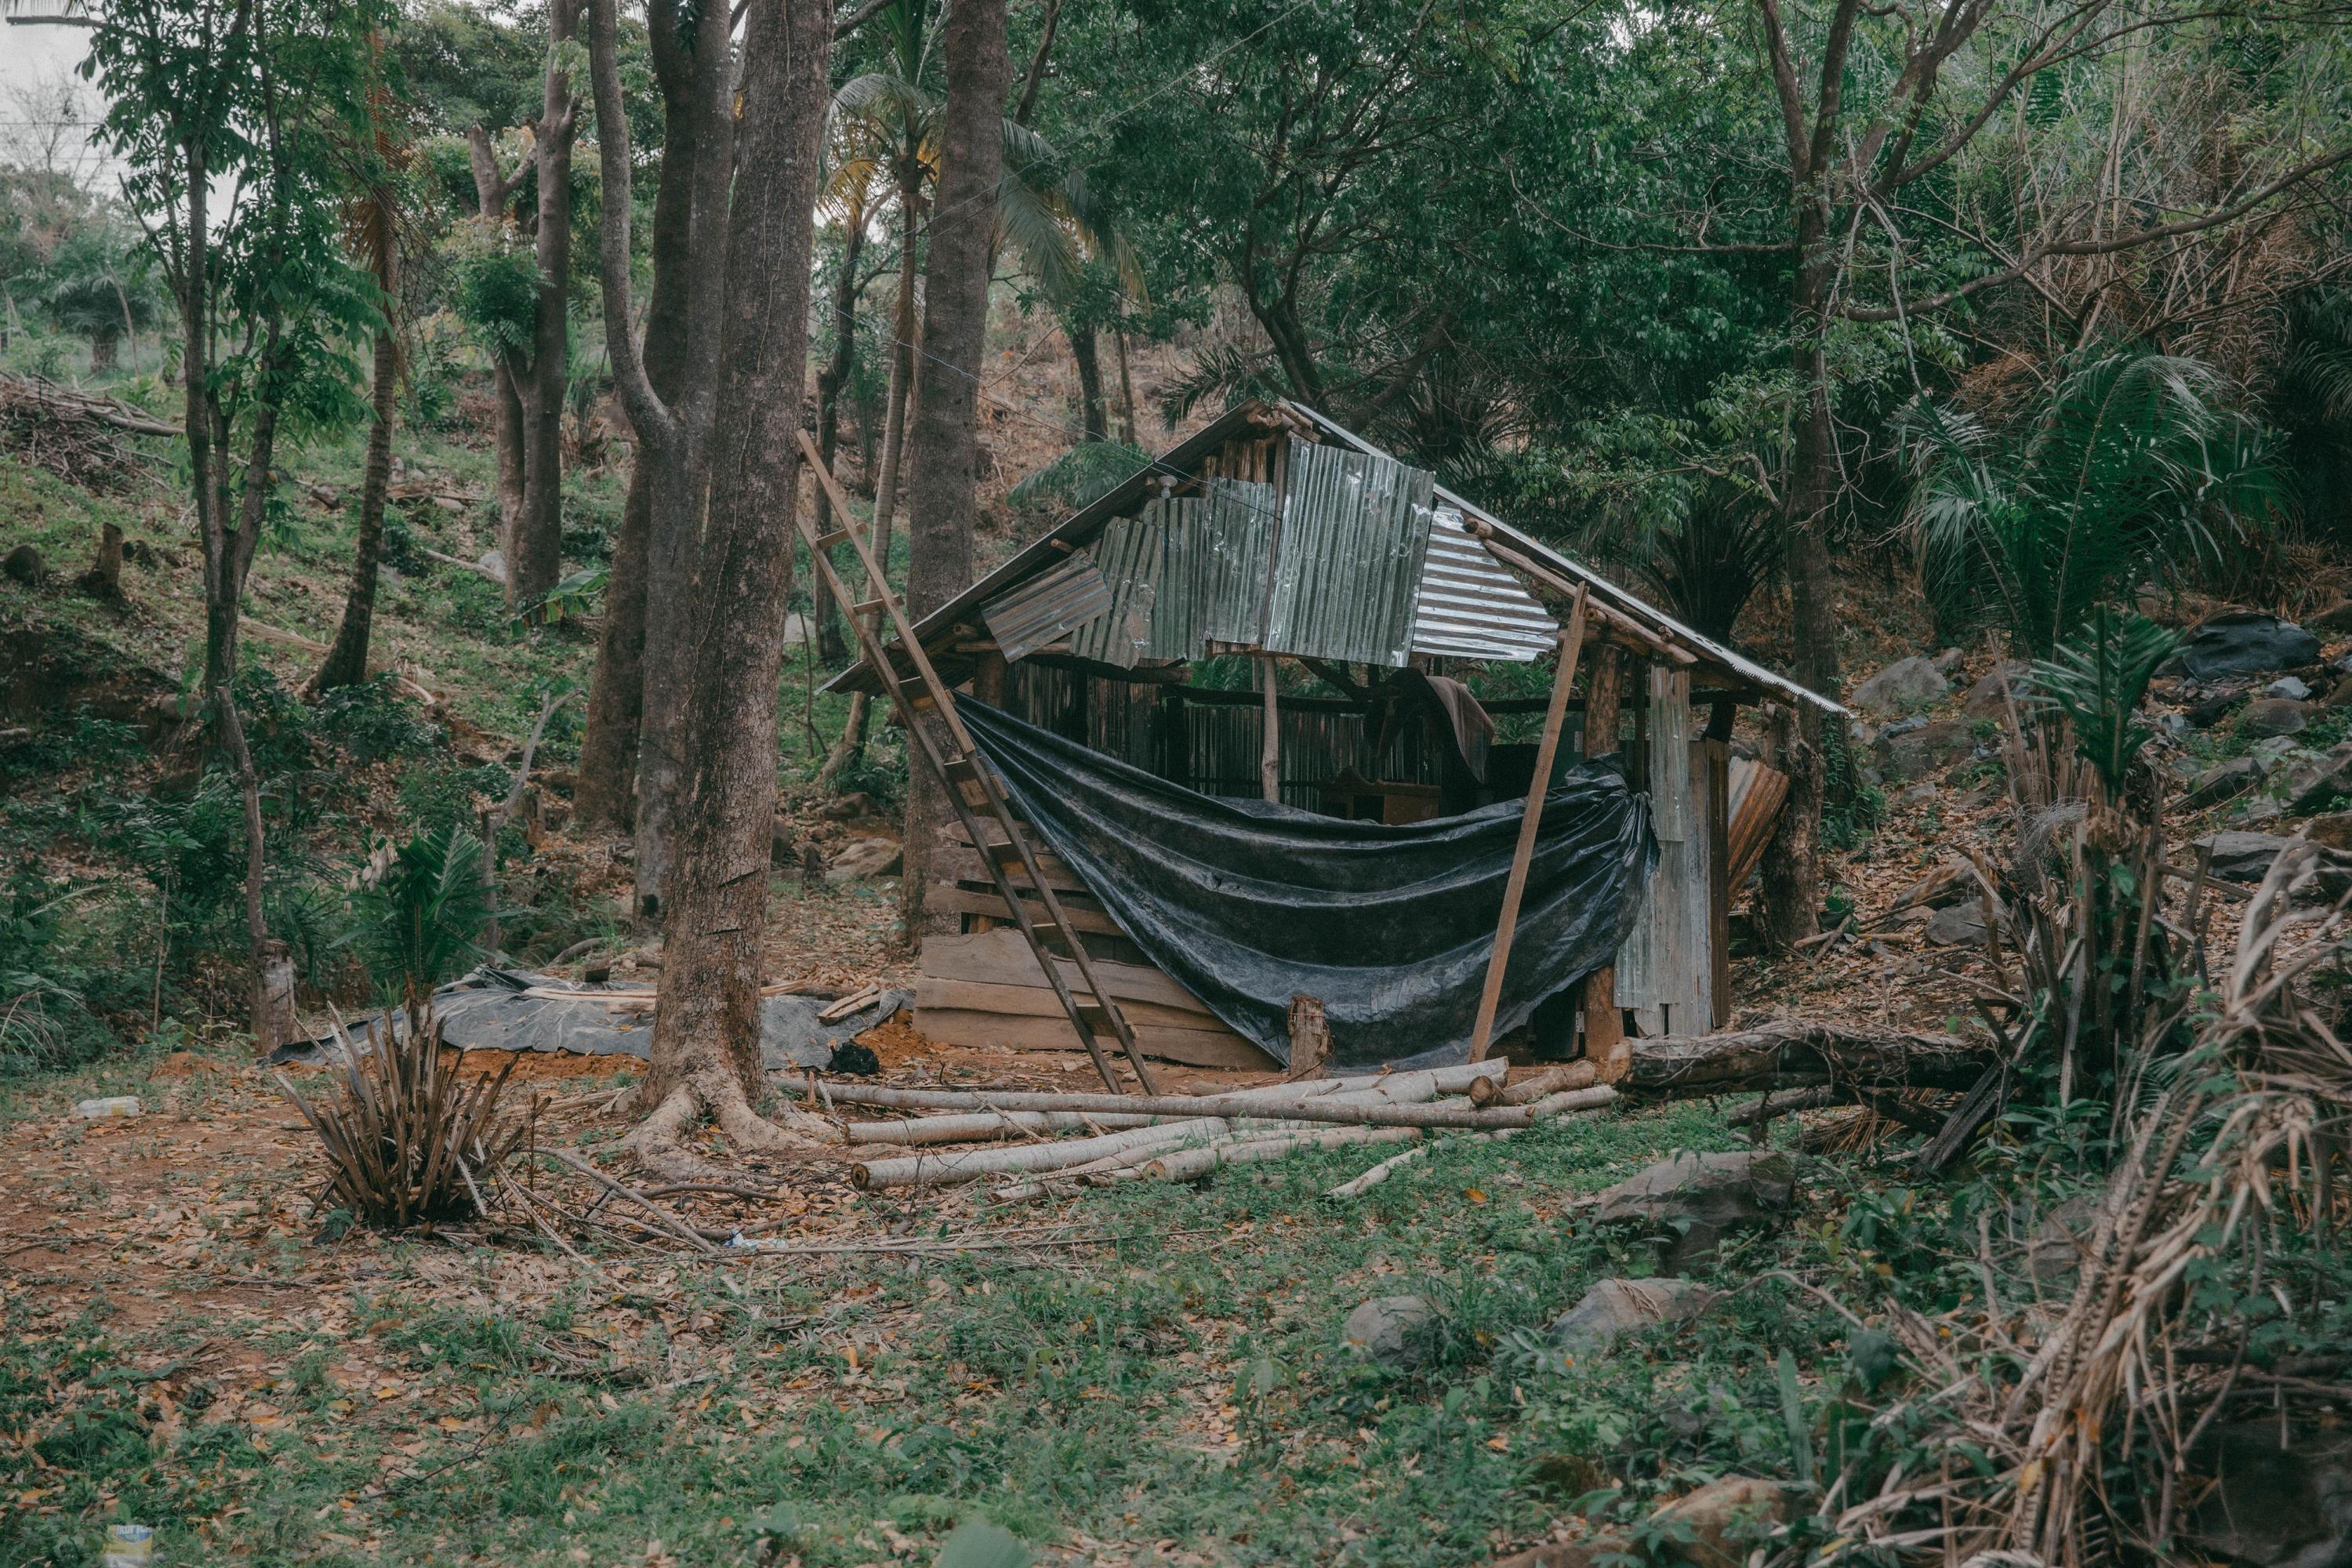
[658, 1142]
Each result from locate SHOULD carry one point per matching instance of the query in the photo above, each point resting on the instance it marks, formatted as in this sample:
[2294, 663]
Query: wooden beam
[1269, 750]
[1571, 645]
[1604, 1025]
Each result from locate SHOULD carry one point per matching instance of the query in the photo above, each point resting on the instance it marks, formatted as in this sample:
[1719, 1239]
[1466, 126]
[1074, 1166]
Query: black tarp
[1248, 903]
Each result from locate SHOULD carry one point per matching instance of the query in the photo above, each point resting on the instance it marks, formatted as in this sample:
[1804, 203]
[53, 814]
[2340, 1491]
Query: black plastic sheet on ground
[1248, 904]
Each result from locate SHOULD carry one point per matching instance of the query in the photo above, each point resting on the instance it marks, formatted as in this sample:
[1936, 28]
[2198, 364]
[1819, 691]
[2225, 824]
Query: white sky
[33, 61]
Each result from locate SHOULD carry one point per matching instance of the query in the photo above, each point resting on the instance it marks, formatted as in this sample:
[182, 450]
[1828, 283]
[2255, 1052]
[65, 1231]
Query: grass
[1186, 1387]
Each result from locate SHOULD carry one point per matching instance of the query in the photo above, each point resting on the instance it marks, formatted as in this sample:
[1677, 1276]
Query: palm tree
[2123, 469]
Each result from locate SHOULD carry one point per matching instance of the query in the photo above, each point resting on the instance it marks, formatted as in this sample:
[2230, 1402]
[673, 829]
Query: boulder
[1720, 1523]
[1995, 690]
[2292, 687]
[1398, 1333]
[1614, 1307]
[2318, 782]
[1947, 884]
[2246, 642]
[2221, 781]
[863, 857]
[2279, 1499]
[1920, 794]
[1901, 687]
[1695, 1199]
[1947, 661]
[492, 564]
[24, 564]
[2273, 716]
[2062, 1241]
[1579, 1550]
[2336, 617]
[1917, 753]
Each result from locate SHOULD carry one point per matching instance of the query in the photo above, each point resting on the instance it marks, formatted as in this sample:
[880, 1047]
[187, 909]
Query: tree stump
[1310, 1037]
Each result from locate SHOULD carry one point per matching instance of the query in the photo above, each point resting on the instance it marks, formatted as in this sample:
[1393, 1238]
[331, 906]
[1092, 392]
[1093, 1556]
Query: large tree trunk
[1090, 383]
[706, 1045]
[608, 793]
[346, 661]
[534, 551]
[850, 749]
[945, 439]
[492, 191]
[1792, 876]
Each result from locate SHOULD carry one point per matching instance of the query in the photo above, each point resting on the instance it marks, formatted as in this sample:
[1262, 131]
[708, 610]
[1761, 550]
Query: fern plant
[418, 913]
[2129, 468]
[2096, 678]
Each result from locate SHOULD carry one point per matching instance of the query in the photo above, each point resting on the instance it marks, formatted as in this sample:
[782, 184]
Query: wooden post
[1269, 750]
[1604, 1025]
[1310, 1037]
[1571, 645]
[988, 672]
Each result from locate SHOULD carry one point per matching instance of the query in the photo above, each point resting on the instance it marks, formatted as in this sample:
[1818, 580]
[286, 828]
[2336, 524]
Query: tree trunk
[945, 439]
[535, 552]
[1090, 386]
[346, 661]
[1792, 878]
[824, 615]
[606, 797]
[850, 749]
[1125, 394]
[706, 1045]
[105, 350]
[505, 425]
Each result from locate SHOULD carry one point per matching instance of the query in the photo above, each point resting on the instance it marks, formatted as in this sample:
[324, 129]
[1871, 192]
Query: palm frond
[2097, 678]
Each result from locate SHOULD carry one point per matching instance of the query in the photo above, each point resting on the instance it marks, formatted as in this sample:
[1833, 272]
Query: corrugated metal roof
[1236, 536]
[1355, 531]
[1468, 606]
[1129, 552]
[1044, 608]
[1182, 599]
[1616, 597]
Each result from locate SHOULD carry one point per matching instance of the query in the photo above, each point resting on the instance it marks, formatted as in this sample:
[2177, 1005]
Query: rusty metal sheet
[1128, 554]
[1048, 607]
[1469, 607]
[1179, 597]
[1347, 562]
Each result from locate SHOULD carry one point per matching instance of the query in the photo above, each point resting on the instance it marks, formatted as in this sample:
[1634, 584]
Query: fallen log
[917, 1131]
[1671, 1066]
[1183, 1164]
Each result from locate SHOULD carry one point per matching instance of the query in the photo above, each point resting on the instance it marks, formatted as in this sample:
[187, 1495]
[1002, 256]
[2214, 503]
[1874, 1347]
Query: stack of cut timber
[986, 989]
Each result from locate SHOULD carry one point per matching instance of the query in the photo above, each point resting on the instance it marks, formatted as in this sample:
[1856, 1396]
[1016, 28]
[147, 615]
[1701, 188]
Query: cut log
[1183, 1164]
[1420, 1084]
[914, 1132]
[1347, 1110]
[1673, 1066]
[1310, 1038]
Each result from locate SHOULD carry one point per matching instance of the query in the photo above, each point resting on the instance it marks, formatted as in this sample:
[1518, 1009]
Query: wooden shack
[1276, 543]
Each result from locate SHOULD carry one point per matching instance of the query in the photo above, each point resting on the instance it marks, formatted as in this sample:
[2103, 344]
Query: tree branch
[648, 414]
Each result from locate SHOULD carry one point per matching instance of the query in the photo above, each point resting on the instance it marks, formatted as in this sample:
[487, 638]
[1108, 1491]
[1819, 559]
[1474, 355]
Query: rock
[1886, 733]
[1958, 925]
[1989, 698]
[1617, 1307]
[24, 564]
[1724, 1520]
[2221, 781]
[783, 844]
[2339, 694]
[2062, 1241]
[798, 631]
[2331, 831]
[2318, 781]
[2246, 642]
[1905, 684]
[2242, 857]
[1398, 1333]
[863, 857]
[1947, 661]
[1920, 794]
[1576, 1552]
[2336, 617]
[2272, 716]
[2213, 706]
[2281, 1499]
[493, 564]
[1695, 1199]
[848, 807]
[2291, 686]
[2260, 810]
[1920, 751]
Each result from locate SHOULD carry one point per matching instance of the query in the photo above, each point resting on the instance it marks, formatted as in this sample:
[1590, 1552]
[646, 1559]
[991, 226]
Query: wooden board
[1001, 958]
[1194, 1047]
[1039, 1002]
[962, 863]
[950, 900]
[1756, 793]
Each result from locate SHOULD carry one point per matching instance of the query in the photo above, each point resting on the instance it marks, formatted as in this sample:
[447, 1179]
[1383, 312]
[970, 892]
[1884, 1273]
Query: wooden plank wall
[985, 989]
[1666, 970]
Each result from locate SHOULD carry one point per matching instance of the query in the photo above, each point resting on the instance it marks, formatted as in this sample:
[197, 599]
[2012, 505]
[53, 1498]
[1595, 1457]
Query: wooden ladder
[927, 710]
